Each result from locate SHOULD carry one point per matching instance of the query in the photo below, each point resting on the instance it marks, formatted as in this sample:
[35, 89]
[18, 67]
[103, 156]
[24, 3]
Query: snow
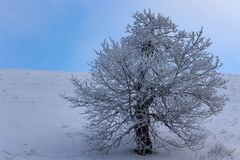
[37, 124]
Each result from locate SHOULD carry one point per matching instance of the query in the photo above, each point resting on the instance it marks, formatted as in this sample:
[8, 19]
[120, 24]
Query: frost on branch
[156, 76]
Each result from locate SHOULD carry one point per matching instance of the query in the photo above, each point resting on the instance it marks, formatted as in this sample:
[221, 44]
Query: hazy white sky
[61, 34]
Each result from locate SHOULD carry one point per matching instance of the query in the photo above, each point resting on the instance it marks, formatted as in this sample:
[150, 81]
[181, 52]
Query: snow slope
[37, 124]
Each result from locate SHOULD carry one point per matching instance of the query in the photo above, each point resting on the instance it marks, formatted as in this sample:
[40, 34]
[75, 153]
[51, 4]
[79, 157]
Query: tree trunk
[142, 119]
[144, 144]
[143, 140]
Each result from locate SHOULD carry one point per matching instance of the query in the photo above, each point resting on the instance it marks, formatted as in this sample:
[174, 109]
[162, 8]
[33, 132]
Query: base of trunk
[143, 152]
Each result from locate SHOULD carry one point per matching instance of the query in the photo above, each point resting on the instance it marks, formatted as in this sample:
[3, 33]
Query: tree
[156, 76]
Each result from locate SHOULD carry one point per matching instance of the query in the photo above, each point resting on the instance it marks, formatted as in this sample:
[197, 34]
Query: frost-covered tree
[156, 76]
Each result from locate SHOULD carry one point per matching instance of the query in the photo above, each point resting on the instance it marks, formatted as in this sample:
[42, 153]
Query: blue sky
[62, 34]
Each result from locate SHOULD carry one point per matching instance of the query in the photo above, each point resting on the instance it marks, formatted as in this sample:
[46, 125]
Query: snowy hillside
[37, 124]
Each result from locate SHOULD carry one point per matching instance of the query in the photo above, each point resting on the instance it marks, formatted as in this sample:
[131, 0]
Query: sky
[61, 35]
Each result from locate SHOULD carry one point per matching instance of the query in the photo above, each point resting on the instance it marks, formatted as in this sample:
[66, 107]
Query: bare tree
[156, 75]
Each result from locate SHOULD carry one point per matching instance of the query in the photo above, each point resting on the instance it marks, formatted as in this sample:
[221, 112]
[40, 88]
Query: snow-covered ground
[37, 124]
